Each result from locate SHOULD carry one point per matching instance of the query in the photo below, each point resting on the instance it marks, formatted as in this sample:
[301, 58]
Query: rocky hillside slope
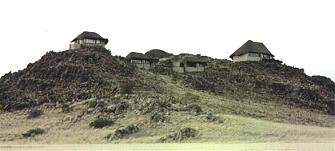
[73, 75]
[266, 81]
[90, 96]
[69, 76]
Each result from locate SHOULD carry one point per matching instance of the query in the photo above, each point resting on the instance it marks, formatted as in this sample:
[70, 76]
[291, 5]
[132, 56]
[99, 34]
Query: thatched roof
[90, 35]
[194, 59]
[139, 56]
[251, 47]
[184, 59]
[157, 54]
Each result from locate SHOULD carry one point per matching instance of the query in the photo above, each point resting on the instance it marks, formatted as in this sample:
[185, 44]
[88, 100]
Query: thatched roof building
[252, 51]
[157, 54]
[141, 60]
[185, 63]
[90, 35]
[194, 59]
[88, 39]
[140, 56]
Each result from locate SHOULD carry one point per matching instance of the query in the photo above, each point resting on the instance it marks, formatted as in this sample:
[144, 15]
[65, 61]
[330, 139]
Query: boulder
[180, 135]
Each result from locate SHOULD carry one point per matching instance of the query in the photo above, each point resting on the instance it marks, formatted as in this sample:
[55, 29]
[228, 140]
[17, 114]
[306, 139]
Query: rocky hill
[68, 76]
[74, 75]
[70, 94]
[263, 82]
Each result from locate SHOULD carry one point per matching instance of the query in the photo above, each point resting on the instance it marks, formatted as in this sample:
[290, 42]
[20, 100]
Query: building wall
[194, 69]
[87, 43]
[79, 46]
[142, 64]
[75, 46]
[94, 45]
[176, 63]
[191, 69]
[177, 68]
[251, 57]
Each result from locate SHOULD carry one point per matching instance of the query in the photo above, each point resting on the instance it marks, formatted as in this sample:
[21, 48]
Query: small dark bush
[33, 132]
[260, 84]
[154, 104]
[324, 82]
[126, 87]
[180, 135]
[101, 122]
[221, 120]
[211, 117]
[308, 94]
[66, 108]
[123, 132]
[92, 103]
[280, 88]
[158, 117]
[194, 109]
[121, 107]
[35, 113]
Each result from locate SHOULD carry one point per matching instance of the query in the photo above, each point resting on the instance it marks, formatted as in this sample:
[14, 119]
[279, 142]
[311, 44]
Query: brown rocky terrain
[66, 77]
[74, 75]
[266, 81]
[74, 92]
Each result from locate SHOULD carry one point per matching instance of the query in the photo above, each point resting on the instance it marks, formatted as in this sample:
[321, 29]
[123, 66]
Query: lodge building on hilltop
[141, 60]
[252, 51]
[185, 63]
[88, 39]
[249, 51]
[178, 63]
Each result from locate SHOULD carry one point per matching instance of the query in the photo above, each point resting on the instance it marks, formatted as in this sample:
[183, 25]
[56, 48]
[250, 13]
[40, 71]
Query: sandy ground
[167, 147]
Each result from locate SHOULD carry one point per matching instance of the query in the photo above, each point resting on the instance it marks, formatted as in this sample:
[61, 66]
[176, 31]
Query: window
[191, 64]
[253, 54]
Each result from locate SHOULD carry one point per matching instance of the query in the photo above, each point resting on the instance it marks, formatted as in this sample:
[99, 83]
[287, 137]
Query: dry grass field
[177, 147]
[236, 129]
[248, 125]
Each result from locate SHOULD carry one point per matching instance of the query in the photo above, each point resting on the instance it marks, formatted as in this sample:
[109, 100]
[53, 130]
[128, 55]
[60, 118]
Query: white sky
[299, 32]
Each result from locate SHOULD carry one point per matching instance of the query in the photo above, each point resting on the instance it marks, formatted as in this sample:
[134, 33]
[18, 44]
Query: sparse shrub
[33, 132]
[92, 103]
[182, 134]
[121, 107]
[154, 104]
[308, 94]
[66, 108]
[194, 109]
[101, 122]
[280, 88]
[123, 132]
[110, 109]
[101, 104]
[221, 120]
[260, 84]
[324, 82]
[158, 117]
[211, 117]
[34, 113]
[126, 87]
[163, 69]
[188, 98]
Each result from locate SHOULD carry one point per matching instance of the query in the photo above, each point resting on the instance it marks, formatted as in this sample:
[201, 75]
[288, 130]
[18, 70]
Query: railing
[81, 46]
